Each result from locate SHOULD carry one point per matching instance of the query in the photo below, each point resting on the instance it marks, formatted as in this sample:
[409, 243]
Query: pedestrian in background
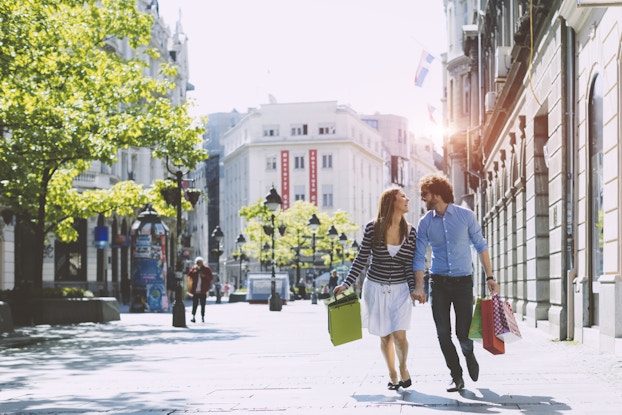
[201, 278]
[450, 230]
[171, 284]
[389, 288]
[333, 280]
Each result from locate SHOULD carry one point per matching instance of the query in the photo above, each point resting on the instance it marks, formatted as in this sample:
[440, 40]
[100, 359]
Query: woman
[389, 289]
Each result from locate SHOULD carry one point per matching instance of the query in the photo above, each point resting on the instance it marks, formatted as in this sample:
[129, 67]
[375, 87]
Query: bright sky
[363, 53]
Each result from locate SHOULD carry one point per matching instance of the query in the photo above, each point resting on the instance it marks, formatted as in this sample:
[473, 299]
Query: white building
[535, 100]
[320, 152]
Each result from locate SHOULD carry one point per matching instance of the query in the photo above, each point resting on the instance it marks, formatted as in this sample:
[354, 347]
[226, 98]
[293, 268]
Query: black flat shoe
[393, 386]
[406, 383]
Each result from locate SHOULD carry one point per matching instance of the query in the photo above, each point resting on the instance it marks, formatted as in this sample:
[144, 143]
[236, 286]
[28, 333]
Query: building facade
[541, 152]
[320, 152]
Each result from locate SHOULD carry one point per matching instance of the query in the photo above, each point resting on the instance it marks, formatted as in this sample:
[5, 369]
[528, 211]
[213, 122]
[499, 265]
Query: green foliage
[298, 234]
[68, 100]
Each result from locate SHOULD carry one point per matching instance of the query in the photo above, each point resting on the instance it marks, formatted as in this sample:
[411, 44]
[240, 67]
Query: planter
[237, 297]
[74, 310]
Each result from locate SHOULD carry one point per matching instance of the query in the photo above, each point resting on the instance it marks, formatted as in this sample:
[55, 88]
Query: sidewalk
[246, 359]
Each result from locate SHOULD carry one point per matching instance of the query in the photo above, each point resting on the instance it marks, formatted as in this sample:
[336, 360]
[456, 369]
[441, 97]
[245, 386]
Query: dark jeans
[195, 303]
[446, 291]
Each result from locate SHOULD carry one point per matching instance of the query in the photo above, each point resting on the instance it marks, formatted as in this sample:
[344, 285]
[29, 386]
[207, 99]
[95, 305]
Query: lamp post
[332, 235]
[266, 247]
[218, 236]
[239, 243]
[273, 202]
[343, 239]
[174, 198]
[314, 224]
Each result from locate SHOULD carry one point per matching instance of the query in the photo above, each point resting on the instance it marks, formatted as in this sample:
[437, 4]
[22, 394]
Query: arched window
[595, 189]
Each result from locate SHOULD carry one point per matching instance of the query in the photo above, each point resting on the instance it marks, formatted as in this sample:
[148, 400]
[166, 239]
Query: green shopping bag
[344, 319]
[475, 332]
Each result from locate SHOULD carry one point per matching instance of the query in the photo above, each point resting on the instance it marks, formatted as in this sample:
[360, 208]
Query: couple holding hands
[394, 253]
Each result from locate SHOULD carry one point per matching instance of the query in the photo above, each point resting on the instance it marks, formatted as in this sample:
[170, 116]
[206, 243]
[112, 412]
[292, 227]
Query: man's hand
[493, 287]
[419, 295]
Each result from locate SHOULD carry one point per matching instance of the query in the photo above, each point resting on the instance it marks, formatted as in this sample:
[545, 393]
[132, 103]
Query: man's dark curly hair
[439, 185]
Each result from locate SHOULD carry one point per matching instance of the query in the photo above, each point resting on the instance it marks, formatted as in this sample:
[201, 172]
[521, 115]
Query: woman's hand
[339, 289]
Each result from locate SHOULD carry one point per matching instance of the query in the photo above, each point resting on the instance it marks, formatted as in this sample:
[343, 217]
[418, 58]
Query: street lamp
[239, 243]
[173, 197]
[218, 236]
[273, 202]
[314, 224]
[343, 239]
[332, 235]
[266, 247]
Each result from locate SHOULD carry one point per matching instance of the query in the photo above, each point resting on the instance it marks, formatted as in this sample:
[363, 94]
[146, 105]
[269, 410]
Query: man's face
[429, 199]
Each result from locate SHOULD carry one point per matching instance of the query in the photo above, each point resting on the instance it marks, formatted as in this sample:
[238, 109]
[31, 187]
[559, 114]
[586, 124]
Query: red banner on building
[285, 179]
[313, 176]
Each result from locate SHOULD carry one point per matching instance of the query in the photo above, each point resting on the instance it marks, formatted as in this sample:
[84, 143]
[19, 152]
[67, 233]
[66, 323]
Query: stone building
[533, 93]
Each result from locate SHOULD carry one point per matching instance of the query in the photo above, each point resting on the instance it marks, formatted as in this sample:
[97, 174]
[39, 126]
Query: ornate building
[539, 151]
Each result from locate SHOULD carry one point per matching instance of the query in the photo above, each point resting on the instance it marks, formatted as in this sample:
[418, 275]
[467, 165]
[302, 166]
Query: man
[449, 230]
[333, 280]
[200, 283]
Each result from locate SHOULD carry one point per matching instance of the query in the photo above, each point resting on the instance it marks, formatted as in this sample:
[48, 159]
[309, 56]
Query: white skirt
[385, 308]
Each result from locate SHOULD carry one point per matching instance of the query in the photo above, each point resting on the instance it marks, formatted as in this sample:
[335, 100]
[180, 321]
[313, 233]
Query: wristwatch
[491, 278]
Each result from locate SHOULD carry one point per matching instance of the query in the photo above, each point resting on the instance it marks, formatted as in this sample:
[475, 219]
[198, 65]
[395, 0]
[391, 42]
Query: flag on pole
[431, 110]
[423, 68]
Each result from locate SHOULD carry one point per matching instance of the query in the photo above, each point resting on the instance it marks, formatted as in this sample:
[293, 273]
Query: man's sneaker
[456, 385]
[473, 367]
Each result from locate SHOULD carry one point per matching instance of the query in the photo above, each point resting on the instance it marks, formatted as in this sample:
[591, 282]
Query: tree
[296, 242]
[68, 100]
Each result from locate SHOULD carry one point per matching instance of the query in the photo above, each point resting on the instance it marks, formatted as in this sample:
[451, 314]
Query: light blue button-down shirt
[450, 237]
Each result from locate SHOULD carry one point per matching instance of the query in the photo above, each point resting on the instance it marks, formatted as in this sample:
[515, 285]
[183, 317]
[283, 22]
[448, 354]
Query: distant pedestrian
[201, 278]
[171, 284]
[333, 280]
[450, 230]
[389, 287]
[218, 290]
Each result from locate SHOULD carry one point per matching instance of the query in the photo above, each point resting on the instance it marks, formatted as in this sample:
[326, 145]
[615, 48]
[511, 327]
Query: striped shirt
[384, 268]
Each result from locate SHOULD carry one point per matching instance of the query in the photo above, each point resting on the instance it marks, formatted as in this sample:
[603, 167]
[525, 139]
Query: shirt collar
[450, 209]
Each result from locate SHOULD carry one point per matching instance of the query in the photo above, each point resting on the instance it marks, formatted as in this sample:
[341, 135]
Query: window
[299, 193]
[271, 163]
[327, 161]
[372, 123]
[466, 95]
[595, 196]
[325, 129]
[299, 129]
[299, 162]
[270, 130]
[327, 195]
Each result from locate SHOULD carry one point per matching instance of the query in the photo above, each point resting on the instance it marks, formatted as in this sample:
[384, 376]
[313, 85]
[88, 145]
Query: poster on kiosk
[148, 289]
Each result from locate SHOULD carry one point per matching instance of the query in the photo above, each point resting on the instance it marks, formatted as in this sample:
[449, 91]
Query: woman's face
[401, 202]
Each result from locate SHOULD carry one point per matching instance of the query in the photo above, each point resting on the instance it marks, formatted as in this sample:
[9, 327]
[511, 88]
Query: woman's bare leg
[388, 351]
[401, 350]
